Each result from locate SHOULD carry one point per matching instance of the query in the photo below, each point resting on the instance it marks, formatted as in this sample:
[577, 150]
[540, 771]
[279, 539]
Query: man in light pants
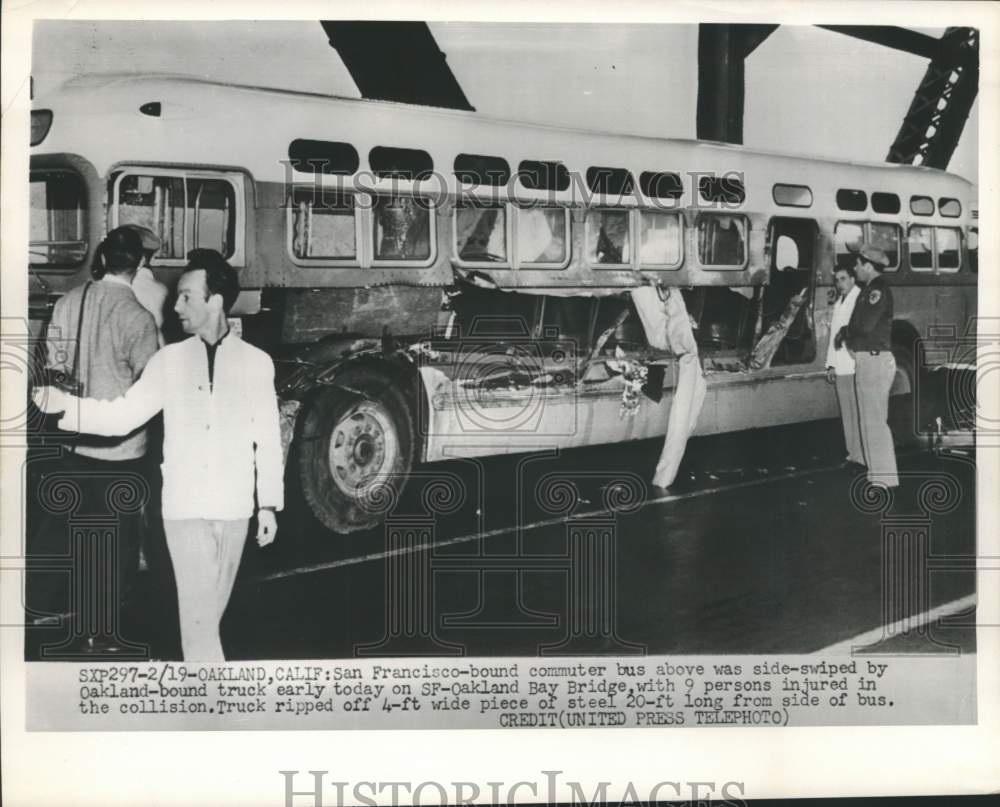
[221, 447]
[840, 364]
[868, 336]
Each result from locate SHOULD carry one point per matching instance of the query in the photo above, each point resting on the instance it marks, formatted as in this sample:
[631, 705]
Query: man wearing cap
[222, 456]
[117, 339]
[868, 335]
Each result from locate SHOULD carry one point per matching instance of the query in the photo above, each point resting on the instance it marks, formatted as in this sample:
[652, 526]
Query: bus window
[210, 215]
[323, 157]
[661, 185]
[850, 199]
[724, 190]
[323, 226]
[947, 245]
[722, 241]
[402, 229]
[886, 237]
[921, 246]
[792, 195]
[608, 238]
[610, 181]
[847, 235]
[157, 203]
[972, 245]
[481, 169]
[543, 236]
[786, 253]
[58, 220]
[411, 164]
[659, 240]
[950, 208]
[186, 212]
[543, 176]
[481, 233]
[885, 203]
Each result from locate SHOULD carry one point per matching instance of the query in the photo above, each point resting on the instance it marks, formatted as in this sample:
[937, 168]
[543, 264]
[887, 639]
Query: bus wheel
[356, 447]
[903, 405]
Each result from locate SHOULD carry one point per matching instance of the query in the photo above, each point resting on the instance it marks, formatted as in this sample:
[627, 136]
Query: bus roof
[207, 123]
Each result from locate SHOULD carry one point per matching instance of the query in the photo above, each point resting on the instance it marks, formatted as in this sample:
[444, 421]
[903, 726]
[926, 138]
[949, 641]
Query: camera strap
[79, 333]
[76, 348]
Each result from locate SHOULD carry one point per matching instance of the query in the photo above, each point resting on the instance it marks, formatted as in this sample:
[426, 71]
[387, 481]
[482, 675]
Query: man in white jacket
[222, 445]
[840, 363]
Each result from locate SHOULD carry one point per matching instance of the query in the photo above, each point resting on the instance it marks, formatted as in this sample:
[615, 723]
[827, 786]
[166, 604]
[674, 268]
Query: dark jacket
[870, 327]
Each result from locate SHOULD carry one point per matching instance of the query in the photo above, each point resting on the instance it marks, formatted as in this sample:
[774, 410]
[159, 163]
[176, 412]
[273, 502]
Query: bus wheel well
[905, 339]
[903, 403]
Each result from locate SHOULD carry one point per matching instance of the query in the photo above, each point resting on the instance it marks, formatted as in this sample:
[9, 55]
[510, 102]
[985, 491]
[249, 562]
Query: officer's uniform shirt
[870, 327]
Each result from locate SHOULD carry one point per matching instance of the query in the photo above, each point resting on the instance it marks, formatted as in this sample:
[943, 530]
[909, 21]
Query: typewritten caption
[504, 693]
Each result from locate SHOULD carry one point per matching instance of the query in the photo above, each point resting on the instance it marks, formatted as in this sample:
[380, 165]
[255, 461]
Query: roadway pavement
[766, 544]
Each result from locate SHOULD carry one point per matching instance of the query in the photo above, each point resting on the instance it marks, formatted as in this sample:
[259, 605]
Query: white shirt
[220, 441]
[152, 295]
[840, 359]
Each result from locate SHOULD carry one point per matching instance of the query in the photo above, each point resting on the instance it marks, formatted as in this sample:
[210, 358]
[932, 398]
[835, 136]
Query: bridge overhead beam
[396, 61]
[722, 53]
[893, 37]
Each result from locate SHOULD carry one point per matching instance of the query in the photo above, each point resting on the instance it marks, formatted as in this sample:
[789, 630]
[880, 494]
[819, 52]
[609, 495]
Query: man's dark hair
[220, 277]
[843, 267]
[119, 252]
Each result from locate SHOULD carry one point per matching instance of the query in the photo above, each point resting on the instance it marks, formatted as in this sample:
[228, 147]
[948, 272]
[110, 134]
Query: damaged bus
[433, 284]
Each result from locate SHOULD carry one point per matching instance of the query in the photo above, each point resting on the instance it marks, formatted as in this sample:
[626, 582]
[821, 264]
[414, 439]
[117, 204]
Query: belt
[874, 352]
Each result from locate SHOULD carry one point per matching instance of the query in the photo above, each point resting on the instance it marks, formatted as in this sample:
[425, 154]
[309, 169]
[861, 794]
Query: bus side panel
[734, 405]
[466, 424]
[407, 311]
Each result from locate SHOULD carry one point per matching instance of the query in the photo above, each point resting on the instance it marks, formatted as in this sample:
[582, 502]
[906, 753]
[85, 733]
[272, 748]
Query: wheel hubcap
[363, 448]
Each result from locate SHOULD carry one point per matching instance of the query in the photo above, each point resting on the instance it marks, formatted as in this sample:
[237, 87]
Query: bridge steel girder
[396, 61]
[722, 53]
[941, 105]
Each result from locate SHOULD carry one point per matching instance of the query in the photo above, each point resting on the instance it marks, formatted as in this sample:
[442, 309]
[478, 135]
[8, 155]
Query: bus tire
[903, 403]
[355, 450]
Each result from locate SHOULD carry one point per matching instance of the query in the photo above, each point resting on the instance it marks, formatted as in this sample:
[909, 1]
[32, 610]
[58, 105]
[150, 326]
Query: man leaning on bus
[868, 337]
[221, 445]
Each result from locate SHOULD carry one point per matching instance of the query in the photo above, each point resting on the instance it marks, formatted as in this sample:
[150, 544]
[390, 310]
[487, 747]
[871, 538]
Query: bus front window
[58, 220]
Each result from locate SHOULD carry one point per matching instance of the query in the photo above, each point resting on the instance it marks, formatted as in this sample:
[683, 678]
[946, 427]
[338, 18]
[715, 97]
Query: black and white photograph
[554, 375]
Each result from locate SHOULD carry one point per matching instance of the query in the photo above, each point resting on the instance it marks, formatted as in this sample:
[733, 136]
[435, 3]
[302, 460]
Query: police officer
[868, 337]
